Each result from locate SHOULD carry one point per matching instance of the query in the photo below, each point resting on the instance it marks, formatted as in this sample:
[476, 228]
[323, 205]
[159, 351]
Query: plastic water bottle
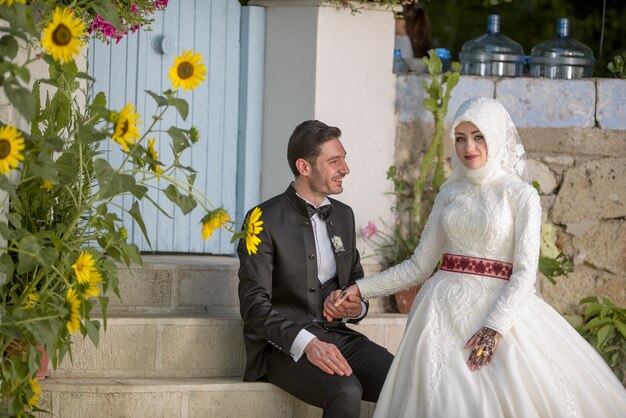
[399, 65]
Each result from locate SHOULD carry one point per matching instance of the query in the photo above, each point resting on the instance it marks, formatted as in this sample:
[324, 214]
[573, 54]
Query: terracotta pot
[404, 299]
[18, 346]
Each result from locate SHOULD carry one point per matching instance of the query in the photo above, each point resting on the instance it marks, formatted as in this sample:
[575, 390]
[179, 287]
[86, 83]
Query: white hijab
[505, 152]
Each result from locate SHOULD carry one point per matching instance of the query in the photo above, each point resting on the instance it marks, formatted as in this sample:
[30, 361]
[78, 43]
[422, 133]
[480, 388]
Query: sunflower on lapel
[337, 244]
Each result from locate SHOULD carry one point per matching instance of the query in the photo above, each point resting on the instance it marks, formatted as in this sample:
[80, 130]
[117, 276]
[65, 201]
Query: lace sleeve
[416, 269]
[521, 285]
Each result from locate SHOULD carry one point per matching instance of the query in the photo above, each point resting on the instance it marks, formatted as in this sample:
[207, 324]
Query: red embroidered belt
[475, 265]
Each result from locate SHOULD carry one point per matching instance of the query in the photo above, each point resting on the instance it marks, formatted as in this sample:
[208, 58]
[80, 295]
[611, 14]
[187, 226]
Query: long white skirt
[542, 368]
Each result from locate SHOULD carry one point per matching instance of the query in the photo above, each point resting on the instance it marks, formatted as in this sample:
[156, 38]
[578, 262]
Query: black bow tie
[323, 211]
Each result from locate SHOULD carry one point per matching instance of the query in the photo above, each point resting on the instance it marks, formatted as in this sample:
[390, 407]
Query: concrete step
[145, 345]
[187, 284]
[172, 398]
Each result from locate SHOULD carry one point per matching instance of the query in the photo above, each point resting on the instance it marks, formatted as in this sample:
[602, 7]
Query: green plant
[61, 237]
[618, 65]
[552, 261]
[414, 199]
[603, 325]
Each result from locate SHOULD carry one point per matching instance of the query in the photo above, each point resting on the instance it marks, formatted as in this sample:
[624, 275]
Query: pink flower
[370, 230]
[133, 7]
[160, 4]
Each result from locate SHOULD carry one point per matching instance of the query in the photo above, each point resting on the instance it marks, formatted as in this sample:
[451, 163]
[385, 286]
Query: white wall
[326, 64]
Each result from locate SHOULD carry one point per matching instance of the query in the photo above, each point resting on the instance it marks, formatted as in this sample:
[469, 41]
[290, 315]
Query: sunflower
[10, 2]
[214, 220]
[188, 71]
[73, 323]
[152, 153]
[126, 130]
[253, 228]
[11, 145]
[62, 37]
[35, 387]
[83, 266]
[31, 299]
[91, 289]
[46, 185]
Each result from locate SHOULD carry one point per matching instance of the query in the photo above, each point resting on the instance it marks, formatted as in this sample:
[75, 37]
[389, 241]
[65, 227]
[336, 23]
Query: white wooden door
[125, 70]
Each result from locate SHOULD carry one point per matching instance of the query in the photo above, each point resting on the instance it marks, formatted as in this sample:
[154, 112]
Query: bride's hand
[343, 304]
[483, 345]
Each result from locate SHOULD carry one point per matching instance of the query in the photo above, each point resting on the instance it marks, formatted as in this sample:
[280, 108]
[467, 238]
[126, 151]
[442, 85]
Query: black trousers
[339, 396]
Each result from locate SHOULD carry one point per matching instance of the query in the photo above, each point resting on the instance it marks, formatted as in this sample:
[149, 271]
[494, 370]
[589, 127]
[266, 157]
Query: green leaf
[592, 310]
[180, 141]
[621, 326]
[160, 100]
[93, 331]
[88, 133]
[84, 76]
[139, 191]
[131, 253]
[181, 106]
[106, 9]
[21, 98]
[185, 203]
[588, 299]
[6, 265]
[135, 212]
[8, 47]
[604, 334]
[111, 182]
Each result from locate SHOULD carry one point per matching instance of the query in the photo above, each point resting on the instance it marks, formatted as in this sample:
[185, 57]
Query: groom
[307, 251]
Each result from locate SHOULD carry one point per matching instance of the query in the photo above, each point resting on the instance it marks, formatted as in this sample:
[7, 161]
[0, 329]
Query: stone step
[187, 284]
[146, 345]
[172, 398]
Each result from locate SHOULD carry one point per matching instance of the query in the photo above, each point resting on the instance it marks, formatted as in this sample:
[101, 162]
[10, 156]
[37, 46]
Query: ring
[481, 353]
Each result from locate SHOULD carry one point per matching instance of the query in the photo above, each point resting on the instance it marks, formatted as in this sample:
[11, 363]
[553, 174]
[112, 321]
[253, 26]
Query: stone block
[611, 105]
[143, 288]
[119, 405]
[604, 246]
[210, 291]
[574, 141]
[594, 190]
[213, 348]
[582, 282]
[267, 401]
[124, 348]
[547, 103]
[410, 95]
[541, 174]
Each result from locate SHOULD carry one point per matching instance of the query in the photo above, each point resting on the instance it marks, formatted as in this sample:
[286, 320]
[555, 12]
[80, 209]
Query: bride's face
[470, 145]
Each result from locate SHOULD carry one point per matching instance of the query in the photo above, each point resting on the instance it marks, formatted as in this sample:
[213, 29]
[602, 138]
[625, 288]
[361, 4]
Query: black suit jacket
[279, 291]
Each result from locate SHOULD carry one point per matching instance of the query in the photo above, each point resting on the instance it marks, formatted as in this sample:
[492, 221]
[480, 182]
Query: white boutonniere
[337, 244]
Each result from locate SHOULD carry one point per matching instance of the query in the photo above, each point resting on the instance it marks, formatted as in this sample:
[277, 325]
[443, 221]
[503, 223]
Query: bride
[479, 342]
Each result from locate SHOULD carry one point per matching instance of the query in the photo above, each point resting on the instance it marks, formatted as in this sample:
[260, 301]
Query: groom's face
[329, 169]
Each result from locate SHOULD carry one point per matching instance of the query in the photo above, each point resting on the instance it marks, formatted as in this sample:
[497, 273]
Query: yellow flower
[73, 323]
[188, 71]
[152, 153]
[31, 299]
[126, 130]
[83, 266]
[214, 220]
[92, 289]
[11, 145]
[35, 387]
[253, 228]
[62, 37]
[47, 185]
[10, 2]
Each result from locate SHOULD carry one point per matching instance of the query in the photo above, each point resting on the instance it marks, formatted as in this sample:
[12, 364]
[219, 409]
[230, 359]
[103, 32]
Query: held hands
[327, 357]
[483, 345]
[343, 304]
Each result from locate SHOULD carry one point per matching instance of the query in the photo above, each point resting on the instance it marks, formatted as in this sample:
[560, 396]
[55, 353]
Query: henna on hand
[483, 345]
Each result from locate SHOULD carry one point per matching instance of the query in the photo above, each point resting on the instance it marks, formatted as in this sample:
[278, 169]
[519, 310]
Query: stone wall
[574, 132]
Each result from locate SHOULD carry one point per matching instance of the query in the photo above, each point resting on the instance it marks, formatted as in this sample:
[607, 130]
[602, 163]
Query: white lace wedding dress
[541, 368]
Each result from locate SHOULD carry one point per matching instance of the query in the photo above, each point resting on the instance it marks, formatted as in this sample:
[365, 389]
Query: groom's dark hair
[306, 140]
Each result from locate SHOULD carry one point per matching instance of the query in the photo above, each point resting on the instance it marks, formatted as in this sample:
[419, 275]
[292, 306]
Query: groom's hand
[327, 357]
[341, 304]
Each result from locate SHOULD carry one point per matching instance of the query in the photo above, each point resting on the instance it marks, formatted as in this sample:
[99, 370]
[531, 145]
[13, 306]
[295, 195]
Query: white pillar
[327, 64]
